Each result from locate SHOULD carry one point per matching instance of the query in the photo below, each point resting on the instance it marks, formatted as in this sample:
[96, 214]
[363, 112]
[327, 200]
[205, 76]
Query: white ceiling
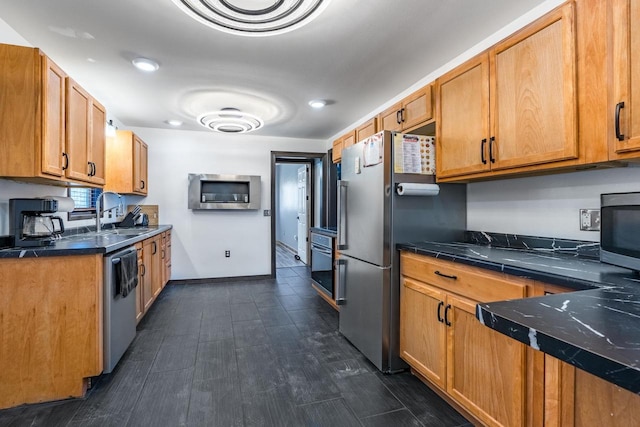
[358, 54]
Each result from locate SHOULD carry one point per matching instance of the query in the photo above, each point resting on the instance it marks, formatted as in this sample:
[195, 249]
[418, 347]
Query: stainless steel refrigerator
[372, 219]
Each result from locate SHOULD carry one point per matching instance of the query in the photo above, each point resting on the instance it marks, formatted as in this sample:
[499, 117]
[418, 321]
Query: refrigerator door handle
[342, 215]
[341, 266]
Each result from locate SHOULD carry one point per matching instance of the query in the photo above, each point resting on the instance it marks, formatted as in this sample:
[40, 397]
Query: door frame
[291, 157]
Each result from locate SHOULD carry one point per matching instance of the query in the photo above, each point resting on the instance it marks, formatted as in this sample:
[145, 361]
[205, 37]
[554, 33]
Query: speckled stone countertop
[108, 240]
[595, 328]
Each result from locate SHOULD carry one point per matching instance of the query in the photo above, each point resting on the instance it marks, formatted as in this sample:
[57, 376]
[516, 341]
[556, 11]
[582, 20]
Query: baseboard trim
[287, 247]
[218, 280]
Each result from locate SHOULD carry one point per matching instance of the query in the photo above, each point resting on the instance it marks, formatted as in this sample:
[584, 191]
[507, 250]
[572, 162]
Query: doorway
[296, 206]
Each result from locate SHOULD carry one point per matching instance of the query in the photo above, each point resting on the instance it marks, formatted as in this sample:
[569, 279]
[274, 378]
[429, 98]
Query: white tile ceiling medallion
[253, 17]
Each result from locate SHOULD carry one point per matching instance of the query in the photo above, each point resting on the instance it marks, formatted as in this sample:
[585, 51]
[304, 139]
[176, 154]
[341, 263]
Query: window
[85, 200]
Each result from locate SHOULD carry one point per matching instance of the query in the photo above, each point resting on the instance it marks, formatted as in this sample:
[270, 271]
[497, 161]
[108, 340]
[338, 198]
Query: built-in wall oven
[322, 262]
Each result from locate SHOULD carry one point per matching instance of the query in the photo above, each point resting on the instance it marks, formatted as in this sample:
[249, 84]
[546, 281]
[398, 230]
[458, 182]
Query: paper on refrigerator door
[373, 149]
[414, 154]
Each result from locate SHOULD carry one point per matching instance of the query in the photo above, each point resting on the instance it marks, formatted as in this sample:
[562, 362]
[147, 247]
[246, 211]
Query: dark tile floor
[251, 353]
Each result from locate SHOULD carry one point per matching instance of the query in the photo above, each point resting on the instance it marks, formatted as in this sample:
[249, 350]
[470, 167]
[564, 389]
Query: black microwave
[620, 229]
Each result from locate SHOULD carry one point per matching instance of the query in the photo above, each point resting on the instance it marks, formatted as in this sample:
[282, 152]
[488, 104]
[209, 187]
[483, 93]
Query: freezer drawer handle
[446, 275]
[341, 265]
[342, 215]
[440, 305]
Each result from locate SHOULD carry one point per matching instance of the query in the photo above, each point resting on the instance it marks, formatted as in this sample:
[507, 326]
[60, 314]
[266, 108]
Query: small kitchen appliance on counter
[29, 227]
[620, 229]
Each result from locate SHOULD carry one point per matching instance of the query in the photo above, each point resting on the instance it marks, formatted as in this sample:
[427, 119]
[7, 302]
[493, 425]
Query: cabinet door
[139, 166]
[626, 75]
[97, 142]
[367, 129]
[336, 154]
[349, 139]
[53, 116]
[417, 107]
[462, 119]
[486, 370]
[147, 271]
[156, 266]
[78, 131]
[533, 94]
[422, 334]
[390, 118]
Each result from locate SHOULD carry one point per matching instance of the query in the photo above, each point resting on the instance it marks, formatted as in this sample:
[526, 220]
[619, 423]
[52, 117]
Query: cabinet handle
[448, 276]
[399, 116]
[66, 161]
[619, 106]
[446, 315]
[155, 248]
[482, 156]
[402, 114]
[94, 168]
[491, 141]
[144, 269]
[440, 305]
[142, 184]
[163, 254]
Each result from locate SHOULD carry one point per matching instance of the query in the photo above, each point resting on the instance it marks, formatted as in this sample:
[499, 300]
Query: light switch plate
[590, 219]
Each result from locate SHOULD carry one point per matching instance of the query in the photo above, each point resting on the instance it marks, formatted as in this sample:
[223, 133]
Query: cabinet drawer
[474, 283]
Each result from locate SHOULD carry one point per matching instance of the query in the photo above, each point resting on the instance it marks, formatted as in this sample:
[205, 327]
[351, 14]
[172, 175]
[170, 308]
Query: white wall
[286, 208]
[546, 205]
[200, 238]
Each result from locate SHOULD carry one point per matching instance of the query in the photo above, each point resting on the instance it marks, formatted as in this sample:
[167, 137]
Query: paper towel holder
[417, 189]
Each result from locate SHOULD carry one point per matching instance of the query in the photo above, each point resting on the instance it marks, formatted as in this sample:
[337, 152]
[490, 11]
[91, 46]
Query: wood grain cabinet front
[412, 111]
[127, 160]
[517, 102]
[625, 57]
[85, 136]
[440, 338]
[52, 130]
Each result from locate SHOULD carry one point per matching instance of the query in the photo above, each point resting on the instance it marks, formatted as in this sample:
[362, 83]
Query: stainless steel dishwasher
[119, 312]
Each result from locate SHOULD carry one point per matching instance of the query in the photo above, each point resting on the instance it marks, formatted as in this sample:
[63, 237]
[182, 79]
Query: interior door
[303, 213]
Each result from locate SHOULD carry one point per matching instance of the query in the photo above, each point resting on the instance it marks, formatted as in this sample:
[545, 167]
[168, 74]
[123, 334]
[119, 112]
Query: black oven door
[322, 267]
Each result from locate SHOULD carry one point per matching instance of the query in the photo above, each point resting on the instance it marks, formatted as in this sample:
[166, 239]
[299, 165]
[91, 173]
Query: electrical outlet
[227, 254]
[267, 212]
[590, 219]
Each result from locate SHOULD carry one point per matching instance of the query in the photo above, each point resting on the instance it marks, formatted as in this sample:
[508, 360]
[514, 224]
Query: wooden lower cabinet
[481, 370]
[50, 327]
[154, 270]
[575, 398]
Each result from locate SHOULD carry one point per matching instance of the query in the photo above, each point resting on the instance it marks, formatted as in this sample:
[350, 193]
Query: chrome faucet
[100, 212]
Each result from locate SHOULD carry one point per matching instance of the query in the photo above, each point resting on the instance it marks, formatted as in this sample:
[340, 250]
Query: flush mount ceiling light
[145, 64]
[230, 120]
[253, 17]
[174, 123]
[317, 103]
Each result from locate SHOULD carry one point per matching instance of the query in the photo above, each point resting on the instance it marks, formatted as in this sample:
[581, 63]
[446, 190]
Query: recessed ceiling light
[172, 122]
[317, 103]
[230, 120]
[145, 64]
[93, 61]
[253, 18]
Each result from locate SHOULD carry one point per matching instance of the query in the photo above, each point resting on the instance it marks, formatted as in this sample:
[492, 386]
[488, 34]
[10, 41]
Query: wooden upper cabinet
[127, 160]
[413, 110]
[85, 146]
[513, 107]
[367, 129]
[533, 93]
[625, 56]
[336, 154]
[349, 139]
[462, 119]
[32, 114]
[53, 117]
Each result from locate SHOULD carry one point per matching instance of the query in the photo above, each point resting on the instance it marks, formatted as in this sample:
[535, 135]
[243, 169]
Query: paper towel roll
[65, 204]
[413, 189]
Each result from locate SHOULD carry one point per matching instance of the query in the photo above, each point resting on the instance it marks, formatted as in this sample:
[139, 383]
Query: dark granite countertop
[327, 231]
[595, 328]
[106, 241]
